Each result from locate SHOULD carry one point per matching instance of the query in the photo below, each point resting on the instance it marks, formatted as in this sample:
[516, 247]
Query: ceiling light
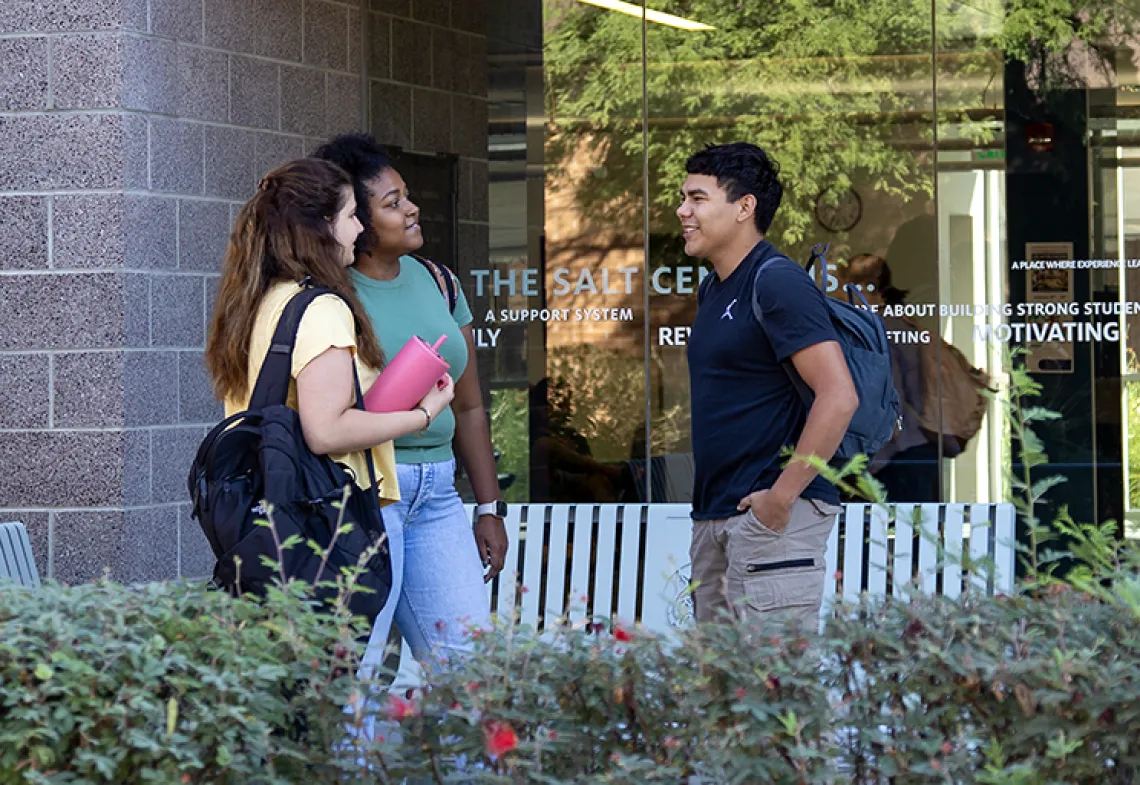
[650, 15]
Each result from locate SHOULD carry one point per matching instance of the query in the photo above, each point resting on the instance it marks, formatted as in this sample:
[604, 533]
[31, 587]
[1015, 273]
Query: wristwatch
[498, 508]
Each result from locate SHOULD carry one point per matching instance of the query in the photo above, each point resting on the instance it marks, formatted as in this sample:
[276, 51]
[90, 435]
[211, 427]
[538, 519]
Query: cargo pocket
[793, 586]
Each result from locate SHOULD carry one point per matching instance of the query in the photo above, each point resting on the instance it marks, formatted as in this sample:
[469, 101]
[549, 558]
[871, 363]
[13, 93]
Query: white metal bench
[17, 563]
[630, 561]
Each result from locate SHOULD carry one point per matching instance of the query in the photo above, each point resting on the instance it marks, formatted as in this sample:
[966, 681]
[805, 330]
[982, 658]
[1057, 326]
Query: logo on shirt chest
[725, 336]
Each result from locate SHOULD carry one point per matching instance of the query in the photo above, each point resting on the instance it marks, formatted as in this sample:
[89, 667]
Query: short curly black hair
[363, 158]
[742, 168]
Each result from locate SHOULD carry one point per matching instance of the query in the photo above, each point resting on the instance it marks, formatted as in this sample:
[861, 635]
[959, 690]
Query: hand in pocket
[772, 513]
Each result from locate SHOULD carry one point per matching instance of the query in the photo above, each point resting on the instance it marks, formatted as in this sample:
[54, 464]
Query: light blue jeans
[438, 593]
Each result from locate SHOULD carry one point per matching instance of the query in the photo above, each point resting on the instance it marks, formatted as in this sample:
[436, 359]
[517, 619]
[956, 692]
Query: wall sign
[1049, 284]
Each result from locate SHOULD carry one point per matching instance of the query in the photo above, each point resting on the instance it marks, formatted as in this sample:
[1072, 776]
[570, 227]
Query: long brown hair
[284, 233]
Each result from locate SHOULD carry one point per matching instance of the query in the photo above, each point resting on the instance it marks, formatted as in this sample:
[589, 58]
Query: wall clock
[838, 210]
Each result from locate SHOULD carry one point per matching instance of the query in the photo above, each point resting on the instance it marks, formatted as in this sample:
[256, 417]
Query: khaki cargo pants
[745, 568]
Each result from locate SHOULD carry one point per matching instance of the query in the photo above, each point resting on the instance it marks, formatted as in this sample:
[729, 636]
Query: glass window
[978, 202]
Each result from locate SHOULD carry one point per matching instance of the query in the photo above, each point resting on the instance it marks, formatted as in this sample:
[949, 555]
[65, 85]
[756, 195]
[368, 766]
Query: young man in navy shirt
[760, 521]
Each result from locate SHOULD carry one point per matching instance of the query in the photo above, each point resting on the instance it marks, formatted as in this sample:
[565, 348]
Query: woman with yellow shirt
[301, 224]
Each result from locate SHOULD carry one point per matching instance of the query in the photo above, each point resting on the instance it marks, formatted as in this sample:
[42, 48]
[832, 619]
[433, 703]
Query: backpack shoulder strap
[756, 310]
[272, 386]
[805, 393]
[273, 381]
[442, 278]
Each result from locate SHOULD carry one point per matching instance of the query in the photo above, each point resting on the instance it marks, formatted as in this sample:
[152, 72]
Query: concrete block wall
[427, 69]
[130, 131]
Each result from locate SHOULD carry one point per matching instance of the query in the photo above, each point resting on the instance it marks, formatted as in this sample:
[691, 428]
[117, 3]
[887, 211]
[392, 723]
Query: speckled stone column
[130, 131]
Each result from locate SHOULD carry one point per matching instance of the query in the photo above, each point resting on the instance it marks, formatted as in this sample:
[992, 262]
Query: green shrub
[980, 689]
[166, 683]
[170, 684]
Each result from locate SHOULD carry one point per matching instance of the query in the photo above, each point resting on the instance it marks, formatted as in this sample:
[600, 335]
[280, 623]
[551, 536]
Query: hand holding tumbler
[403, 383]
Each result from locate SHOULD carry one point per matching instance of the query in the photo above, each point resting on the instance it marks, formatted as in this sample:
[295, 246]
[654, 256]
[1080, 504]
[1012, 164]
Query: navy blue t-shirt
[745, 409]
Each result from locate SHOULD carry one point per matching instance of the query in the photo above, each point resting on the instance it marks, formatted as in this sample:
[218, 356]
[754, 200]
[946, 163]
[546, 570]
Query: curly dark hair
[363, 158]
[741, 168]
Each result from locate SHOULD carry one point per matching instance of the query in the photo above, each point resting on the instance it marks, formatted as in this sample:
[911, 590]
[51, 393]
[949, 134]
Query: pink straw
[435, 346]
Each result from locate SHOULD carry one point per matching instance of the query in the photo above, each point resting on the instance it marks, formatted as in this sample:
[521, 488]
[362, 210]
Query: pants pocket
[792, 585]
[756, 524]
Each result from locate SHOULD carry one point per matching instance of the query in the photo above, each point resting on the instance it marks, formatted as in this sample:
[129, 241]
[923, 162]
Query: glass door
[1116, 153]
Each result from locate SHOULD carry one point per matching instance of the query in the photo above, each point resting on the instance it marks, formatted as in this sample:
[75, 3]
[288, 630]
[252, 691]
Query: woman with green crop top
[439, 562]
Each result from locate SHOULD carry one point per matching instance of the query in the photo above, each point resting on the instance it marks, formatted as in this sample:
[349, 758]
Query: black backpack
[863, 338]
[258, 459]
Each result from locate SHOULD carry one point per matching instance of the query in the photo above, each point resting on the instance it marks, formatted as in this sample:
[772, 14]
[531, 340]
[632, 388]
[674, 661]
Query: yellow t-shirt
[327, 323]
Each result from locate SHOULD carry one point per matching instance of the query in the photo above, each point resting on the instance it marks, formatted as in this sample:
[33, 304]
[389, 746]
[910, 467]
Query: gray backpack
[863, 338]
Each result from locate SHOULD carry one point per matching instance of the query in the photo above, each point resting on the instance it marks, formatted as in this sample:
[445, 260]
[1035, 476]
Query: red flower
[772, 683]
[740, 693]
[400, 709]
[622, 634]
[947, 748]
[501, 739]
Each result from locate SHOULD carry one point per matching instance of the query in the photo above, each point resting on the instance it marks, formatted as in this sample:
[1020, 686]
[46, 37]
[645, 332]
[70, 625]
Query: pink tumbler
[408, 377]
